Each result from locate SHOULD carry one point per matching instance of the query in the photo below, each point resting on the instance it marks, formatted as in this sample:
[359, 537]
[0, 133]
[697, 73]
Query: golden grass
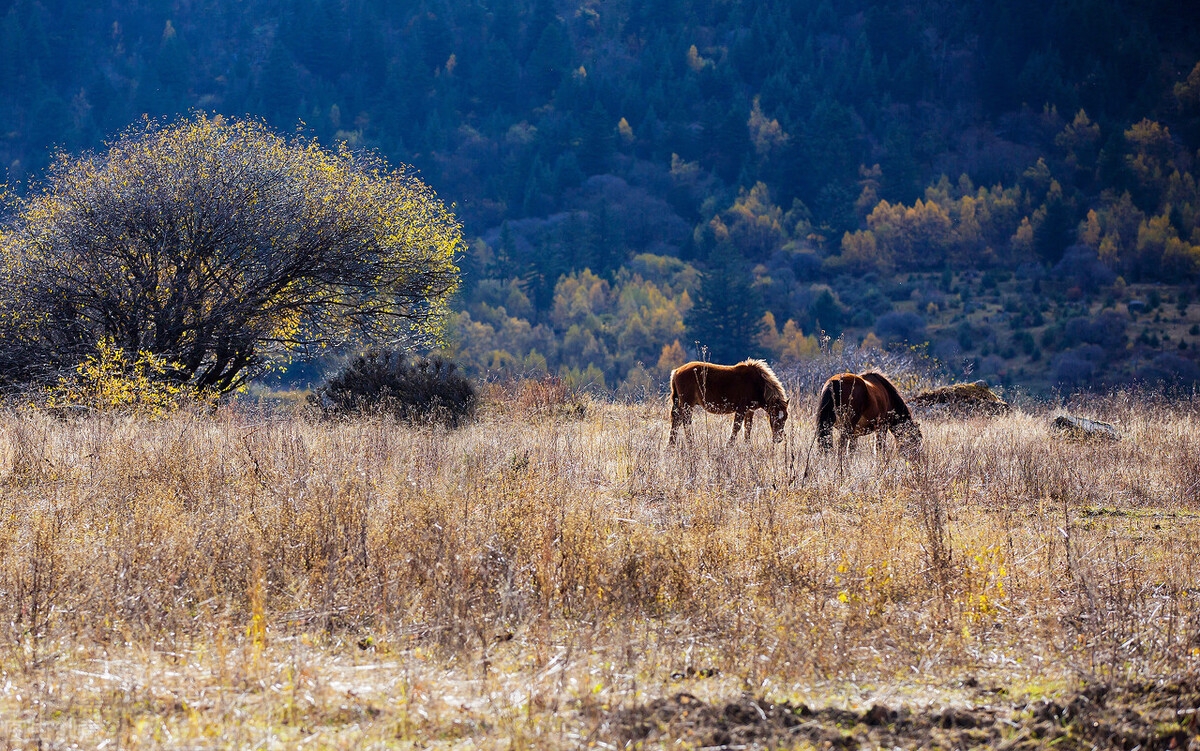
[247, 579]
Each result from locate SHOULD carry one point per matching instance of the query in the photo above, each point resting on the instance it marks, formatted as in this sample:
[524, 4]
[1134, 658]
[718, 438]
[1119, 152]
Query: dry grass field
[549, 579]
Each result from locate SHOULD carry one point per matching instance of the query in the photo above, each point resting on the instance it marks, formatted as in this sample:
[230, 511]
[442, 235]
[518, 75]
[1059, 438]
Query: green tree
[1055, 227]
[727, 316]
[549, 61]
[219, 246]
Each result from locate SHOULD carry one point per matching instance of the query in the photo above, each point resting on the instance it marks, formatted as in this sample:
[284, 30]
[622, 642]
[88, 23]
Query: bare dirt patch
[1145, 716]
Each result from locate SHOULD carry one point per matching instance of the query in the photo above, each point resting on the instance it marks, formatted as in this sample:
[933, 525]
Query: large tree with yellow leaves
[220, 246]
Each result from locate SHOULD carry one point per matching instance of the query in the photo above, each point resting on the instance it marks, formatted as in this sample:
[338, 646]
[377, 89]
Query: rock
[962, 399]
[1083, 429]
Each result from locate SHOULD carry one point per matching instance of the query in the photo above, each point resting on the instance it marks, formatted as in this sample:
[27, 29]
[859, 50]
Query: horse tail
[831, 396]
[680, 408]
[899, 407]
[676, 392]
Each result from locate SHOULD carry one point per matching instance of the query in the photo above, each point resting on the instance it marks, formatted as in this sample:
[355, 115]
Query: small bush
[424, 390]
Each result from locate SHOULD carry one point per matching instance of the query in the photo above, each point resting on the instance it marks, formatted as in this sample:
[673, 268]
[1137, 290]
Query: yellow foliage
[672, 357]
[869, 178]
[768, 335]
[1151, 161]
[1108, 250]
[1188, 92]
[1181, 256]
[794, 345]
[1082, 135]
[659, 315]
[1158, 243]
[912, 235]
[1089, 233]
[579, 297]
[861, 252]
[1149, 137]
[719, 230]
[765, 132]
[754, 223]
[209, 236]
[682, 170]
[1023, 238]
[625, 131]
[112, 380]
[983, 591]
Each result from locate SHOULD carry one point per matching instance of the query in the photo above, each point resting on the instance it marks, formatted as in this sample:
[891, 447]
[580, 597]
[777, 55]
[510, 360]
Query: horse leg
[880, 443]
[749, 423]
[845, 442]
[738, 417]
[825, 436]
[681, 414]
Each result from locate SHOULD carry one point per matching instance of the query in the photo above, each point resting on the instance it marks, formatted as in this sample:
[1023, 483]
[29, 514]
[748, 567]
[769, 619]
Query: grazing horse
[721, 389]
[861, 404]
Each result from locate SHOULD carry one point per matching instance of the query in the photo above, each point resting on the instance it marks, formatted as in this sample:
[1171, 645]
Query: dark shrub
[826, 311]
[1024, 340]
[1077, 367]
[1080, 267]
[862, 318]
[966, 334]
[1170, 369]
[1106, 329]
[901, 327]
[947, 350]
[424, 390]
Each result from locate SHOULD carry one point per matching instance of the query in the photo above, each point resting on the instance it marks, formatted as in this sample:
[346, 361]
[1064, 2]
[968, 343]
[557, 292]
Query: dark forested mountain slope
[816, 153]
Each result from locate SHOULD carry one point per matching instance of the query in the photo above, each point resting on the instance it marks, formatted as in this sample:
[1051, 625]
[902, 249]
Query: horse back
[856, 393]
[850, 400]
[889, 395]
[690, 381]
[718, 387]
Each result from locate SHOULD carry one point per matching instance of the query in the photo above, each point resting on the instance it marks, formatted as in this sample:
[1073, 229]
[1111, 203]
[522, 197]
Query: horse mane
[771, 381]
[898, 404]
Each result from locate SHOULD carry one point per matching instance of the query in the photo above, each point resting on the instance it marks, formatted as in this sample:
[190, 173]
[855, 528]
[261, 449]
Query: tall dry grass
[246, 577]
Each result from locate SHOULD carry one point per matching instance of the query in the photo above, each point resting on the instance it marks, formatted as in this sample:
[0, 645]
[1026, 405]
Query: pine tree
[727, 317]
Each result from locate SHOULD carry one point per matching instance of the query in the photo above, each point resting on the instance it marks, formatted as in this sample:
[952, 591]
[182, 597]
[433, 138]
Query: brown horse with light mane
[721, 389]
[861, 404]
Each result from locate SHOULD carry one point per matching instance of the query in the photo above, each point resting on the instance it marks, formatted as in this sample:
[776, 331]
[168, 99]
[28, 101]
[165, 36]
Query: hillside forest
[1008, 190]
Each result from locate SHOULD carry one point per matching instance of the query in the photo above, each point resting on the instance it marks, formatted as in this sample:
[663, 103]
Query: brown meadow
[554, 576]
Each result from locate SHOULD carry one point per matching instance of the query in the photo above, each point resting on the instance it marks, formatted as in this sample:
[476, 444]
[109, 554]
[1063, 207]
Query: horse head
[908, 438]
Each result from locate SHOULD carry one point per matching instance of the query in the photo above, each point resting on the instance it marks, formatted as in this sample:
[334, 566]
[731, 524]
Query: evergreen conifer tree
[727, 317]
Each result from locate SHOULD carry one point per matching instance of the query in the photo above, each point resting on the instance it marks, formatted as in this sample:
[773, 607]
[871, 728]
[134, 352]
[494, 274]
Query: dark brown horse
[861, 404]
[721, 389]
